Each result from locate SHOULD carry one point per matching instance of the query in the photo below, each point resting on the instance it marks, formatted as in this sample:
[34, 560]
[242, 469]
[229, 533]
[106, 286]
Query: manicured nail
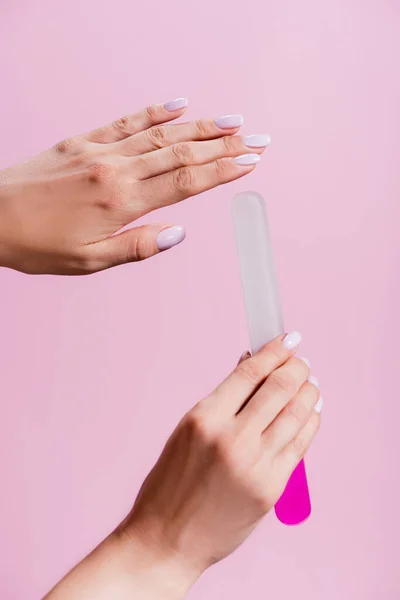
[292, 340]
[314, 381]
[319, 405]
[229, 121]
[247, 159]
[170, 237]
[305, 360]
[244, 356]
[259, 140]
[176, 104]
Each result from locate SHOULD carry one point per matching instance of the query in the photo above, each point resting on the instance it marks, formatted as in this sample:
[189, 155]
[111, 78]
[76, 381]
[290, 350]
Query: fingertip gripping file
[264, 319]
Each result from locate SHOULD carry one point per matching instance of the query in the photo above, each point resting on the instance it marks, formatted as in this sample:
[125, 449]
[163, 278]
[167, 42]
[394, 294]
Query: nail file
[264, 319]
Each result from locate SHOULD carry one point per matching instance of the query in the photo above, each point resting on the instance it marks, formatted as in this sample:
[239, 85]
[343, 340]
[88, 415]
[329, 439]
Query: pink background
[96, 371]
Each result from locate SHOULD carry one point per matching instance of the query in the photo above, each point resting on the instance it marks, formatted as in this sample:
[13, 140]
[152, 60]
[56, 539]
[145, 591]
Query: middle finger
[162, 136]
[278, 390]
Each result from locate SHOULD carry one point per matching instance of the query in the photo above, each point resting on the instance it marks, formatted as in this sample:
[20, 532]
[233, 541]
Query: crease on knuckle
[229, 144]
[250, 371]
[221, 166]
[67, 146]
[184, 180]
[151, 112]
[123, 125]
[272, 353]
[158, 136]
[100, 173]
[141, 249]
[300, 446]
[202, 128]
[298, 412]
[183, 153]
[282, 382]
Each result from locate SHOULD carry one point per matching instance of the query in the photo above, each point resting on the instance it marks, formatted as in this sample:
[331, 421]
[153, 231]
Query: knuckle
[202, 128]
[67, 146]
[152, 111]
[298, 412]
[82, 263]
[250, 371]
[123, 125]
[183, 153]
[198, 425]
[100, 173]
[184, 180]
[271, 354]
[300, 446]
[282, 382]
[158, 136]
[141, 249]
[221, 166]
[229, 144]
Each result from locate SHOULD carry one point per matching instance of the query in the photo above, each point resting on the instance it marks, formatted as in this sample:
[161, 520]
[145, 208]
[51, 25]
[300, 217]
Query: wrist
[163, 573]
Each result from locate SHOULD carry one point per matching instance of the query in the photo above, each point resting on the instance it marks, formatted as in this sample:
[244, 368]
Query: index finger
[129, 125]
[250, 374]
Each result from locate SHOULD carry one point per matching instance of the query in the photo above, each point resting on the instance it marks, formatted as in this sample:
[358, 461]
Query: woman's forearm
[123, 568]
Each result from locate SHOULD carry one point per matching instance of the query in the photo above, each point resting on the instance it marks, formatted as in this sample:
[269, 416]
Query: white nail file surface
[260, 288]
[265, 322]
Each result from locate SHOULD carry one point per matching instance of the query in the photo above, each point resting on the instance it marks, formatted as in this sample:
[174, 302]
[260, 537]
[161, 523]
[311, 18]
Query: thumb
[134, 245]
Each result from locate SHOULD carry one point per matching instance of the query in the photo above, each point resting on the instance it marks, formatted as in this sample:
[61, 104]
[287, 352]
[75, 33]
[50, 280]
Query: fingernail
[247, 159]
[259, 140]
[319, 405]
[170, 237]
[176, 104]
[244, 356]
[305, 360]
[292, 340]
[229, 121]
[314, 381]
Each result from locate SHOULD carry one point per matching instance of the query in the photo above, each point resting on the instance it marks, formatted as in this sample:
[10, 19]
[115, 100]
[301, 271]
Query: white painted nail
[292, 340]
[247, 159]
[229, 121]
[314, 381]
[176, 104]
[318, 406]
[259, 140]
[306, 361]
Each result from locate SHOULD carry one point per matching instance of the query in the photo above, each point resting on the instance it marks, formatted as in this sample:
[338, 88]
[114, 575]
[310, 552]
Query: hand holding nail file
[264, 318]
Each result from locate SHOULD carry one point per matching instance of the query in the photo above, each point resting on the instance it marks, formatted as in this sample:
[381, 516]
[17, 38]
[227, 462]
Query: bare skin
[223, 468]
[60, 210]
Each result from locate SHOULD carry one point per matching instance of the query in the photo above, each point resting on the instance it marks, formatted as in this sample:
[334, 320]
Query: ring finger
[184, 154]
[292, 419]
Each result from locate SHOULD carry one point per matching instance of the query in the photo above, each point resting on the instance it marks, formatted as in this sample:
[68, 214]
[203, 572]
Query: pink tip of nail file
[264, 319]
